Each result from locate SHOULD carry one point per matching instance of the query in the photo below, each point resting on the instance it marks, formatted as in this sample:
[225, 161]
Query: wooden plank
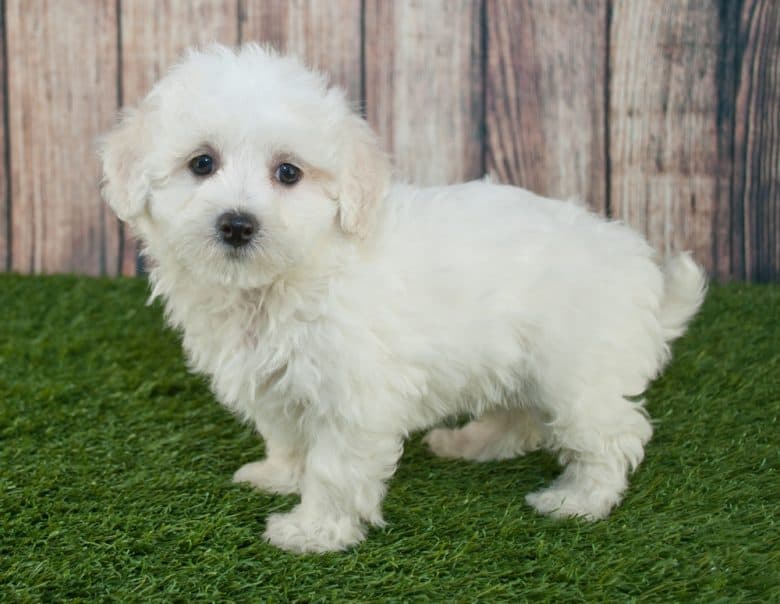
[757, 138]
[424, 84]
[727, 230]
[154, 35]
[5, 203]
[62, 73]
[664, 122]
[546, 97]
[326, 35]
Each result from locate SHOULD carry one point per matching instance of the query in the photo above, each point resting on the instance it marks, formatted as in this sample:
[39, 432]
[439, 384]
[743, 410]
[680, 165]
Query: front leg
[281, 470]
[342, 489]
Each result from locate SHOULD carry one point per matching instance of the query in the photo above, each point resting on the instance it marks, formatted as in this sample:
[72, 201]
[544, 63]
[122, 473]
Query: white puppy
[339, 312]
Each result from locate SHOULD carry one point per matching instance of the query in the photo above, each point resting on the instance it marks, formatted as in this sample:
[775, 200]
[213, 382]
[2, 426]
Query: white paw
[560, 502]
[300, 531]
[477, 441]
[443, 442]
[270, 475]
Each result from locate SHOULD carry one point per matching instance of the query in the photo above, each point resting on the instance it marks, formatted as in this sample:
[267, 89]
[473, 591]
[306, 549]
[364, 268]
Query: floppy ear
[365, 178]
[125, 182]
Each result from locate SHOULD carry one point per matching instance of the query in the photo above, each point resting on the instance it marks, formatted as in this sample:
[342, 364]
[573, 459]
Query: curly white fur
[366, 310]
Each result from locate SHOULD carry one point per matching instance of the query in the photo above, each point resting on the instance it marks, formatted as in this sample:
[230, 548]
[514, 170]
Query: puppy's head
[239, 166]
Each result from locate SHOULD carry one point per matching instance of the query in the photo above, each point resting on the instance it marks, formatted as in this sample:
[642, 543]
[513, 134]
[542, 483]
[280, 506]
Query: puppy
[338, 311]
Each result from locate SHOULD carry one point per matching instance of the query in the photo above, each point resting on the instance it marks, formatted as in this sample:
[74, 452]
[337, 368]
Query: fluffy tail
[685, 285]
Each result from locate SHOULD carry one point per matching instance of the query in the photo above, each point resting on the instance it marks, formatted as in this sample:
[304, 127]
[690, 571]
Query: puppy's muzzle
[236, 228]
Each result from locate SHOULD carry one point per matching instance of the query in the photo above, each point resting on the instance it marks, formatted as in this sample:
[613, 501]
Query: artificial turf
[115, 468]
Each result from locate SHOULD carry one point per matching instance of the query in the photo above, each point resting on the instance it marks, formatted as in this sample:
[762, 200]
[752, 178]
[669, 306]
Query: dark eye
[202, 165]
[288, 174]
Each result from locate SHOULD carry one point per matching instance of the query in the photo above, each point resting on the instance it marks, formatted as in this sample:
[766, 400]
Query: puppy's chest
[250, 358]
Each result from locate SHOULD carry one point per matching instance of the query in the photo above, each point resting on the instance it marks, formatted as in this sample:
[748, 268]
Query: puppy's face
[240, 167]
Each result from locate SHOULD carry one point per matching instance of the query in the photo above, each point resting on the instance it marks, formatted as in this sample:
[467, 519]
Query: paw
[560, 502]
[300, 531]
[478, 441]
[444, 442]
[270, 475]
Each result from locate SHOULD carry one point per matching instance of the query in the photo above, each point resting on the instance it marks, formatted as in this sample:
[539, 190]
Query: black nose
[236, 228]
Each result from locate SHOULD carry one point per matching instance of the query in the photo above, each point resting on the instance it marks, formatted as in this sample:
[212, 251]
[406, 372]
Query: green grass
[115, 468]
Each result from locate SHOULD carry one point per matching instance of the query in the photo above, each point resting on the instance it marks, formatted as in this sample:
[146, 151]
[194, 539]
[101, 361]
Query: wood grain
[727, 229]
[5, 200]
[327, 35]
[62, 74]
[154, 35]
[546, 97]
[664, 122]
[424, 82]
[757, 139]
[666, 114]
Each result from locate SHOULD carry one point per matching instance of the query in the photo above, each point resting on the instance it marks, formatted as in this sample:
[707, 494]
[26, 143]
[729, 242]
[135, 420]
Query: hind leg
[498, 434]
[600, 441]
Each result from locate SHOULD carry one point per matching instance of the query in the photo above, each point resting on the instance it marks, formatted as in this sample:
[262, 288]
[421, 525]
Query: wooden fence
[664, 113]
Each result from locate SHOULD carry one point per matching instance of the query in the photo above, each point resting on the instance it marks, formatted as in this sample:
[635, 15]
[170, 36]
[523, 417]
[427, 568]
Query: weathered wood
[5, 202]
[727, 231]
[666, 114]
[757, 139]
[327, 35]
[62, 74]
[424, 84]
[664, 122]
[545, 95]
